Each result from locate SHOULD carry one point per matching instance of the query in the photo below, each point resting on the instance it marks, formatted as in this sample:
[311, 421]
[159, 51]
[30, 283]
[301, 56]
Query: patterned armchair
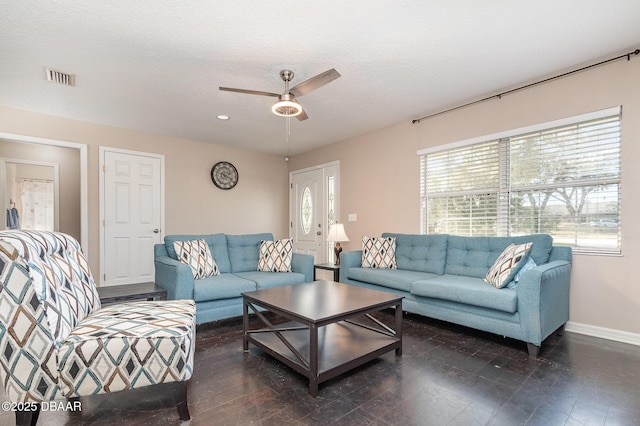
[57, 342]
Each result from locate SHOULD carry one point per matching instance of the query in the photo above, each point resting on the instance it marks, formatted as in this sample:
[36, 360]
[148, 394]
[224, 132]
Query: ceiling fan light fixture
[286, 108]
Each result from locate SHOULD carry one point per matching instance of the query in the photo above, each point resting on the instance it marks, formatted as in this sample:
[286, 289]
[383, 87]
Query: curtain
[36, 204]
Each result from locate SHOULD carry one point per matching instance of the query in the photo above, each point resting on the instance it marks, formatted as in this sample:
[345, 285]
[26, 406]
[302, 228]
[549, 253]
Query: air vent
[61, 78]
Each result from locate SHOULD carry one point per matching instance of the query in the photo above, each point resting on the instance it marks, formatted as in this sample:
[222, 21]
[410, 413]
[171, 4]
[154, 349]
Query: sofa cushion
[61, 277]
[425, 253]
[217, 246]
[128, 345]
[272, 279]
[224, 286]
[467, 290]
[379, 253]
[196, 254]
[244, 251]
[399, 279]
[473, 256]
[275, 256]
[507, 265]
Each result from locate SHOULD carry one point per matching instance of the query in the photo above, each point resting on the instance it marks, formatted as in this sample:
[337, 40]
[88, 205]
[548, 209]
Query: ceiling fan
[287, 105]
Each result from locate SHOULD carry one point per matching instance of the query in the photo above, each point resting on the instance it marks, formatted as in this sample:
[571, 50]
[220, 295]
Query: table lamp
[337, 234]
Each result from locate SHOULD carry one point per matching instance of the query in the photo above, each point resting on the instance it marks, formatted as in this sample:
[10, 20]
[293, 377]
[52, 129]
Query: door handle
[155, 231]
[318, 233]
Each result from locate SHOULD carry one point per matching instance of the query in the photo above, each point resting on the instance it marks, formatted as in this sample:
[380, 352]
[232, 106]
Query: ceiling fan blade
[249, 92]
[315, 82]
[302, 116]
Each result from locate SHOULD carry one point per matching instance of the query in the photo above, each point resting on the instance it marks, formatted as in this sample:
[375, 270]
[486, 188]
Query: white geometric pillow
[379, 253]
[507, 265]
[196, 254]
[275, 256]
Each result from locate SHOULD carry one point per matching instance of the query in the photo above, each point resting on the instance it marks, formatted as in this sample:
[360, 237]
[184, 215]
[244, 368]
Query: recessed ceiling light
[222, 117]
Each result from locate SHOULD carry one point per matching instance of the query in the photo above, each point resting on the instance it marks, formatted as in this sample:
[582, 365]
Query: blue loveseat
[237, 257]
[441, 276]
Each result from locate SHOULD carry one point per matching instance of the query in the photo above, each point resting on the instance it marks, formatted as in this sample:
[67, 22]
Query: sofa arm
[543, 300]
[303, 263]
[349, 259]
[174, 276]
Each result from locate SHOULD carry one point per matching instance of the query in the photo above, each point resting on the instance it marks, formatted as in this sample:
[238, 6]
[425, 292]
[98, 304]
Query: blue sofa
[441, 276]
[237, 256]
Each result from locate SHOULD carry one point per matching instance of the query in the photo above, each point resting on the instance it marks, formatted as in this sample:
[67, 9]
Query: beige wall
[68, 160]
[259, 203]
[380, 177]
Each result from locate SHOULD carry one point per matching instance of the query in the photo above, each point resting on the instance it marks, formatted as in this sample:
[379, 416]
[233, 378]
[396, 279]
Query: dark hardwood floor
[447, 375]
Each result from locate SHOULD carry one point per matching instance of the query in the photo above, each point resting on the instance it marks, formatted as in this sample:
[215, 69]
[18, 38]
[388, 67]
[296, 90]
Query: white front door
[132, 209]
[307, 222]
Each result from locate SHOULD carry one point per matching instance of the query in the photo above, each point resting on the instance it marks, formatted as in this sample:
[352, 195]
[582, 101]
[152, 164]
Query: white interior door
[132, 209]
[307, 221]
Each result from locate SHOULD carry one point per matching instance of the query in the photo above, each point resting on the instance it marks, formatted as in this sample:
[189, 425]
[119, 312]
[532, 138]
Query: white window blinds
[563, 180]
[566, 182]
[462, 190]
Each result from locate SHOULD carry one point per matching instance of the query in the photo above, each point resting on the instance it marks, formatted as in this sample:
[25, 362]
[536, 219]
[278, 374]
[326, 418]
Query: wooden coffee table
[330, 331]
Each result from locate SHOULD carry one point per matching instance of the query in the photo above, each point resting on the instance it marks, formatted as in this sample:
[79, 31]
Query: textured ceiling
[155, 65]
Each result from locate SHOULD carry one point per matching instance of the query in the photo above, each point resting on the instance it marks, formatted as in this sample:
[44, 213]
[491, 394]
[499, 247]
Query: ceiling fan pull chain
[287, 129]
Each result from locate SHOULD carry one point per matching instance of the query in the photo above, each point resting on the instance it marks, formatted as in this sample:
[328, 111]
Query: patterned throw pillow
[379, 253]
[197, 255]
[275, 256]
[507, 265]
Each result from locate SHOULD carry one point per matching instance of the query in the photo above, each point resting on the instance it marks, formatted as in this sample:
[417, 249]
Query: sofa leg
[534, 350]
[27, 418]
[180, 399]
[560, 330]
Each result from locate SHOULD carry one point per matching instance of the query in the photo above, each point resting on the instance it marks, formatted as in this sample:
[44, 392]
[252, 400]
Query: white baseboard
[604, 333]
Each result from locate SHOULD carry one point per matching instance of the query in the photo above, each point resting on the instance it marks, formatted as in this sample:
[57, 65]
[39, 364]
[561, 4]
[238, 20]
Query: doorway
[31, 191]
[71, 158]
[314, 206]
[132, 214]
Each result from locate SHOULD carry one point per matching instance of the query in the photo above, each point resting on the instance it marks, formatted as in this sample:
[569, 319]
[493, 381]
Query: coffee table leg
[245, 325]
[313, 362]
[399, 327]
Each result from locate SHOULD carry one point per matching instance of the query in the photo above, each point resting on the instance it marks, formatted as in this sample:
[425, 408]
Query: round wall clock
[224, 175]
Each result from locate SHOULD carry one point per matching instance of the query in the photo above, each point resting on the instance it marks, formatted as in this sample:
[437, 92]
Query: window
[306, 210]
[331, 213]
[560, 178]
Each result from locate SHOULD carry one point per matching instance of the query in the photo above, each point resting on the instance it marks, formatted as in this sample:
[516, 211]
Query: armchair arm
[543, 300]
[349, 259]
[176, 277]
[303, 263]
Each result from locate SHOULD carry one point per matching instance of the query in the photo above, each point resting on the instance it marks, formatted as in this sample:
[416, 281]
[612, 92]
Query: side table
[128, 292]
[328, 267]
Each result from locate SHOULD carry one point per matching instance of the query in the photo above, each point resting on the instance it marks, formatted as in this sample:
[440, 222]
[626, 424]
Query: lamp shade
[336, 233]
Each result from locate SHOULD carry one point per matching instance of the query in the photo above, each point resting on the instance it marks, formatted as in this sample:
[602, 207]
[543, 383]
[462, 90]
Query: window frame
[503, 140]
